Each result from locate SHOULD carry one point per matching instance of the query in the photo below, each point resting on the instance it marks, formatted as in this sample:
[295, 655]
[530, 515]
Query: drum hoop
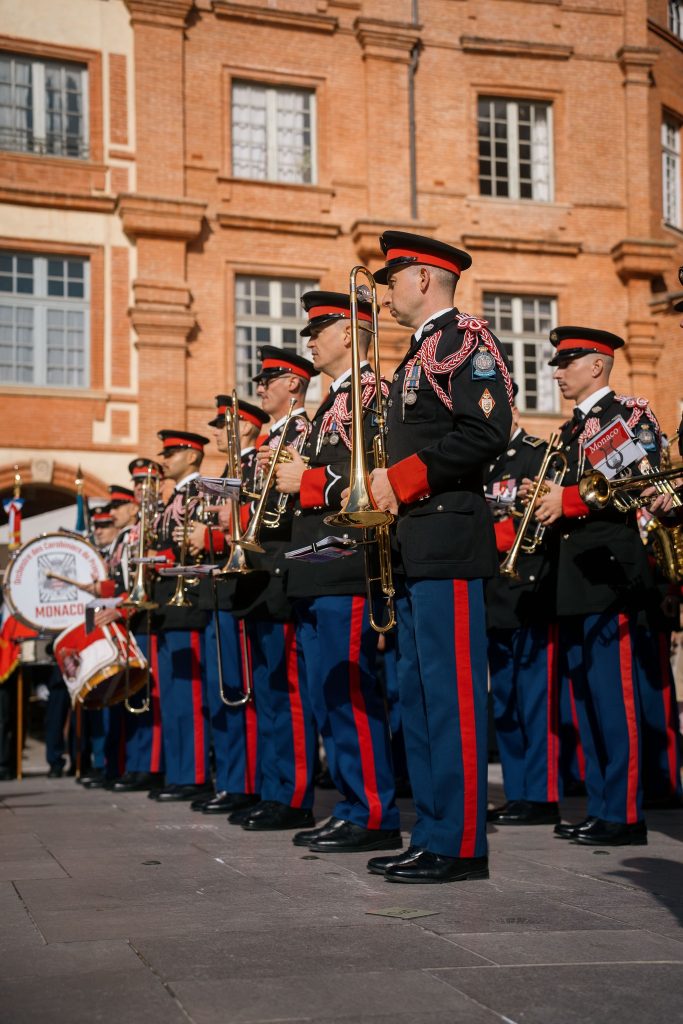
[7, 579]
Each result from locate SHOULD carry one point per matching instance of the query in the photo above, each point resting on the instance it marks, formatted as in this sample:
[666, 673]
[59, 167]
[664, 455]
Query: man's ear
[425, 278]
[347, 334]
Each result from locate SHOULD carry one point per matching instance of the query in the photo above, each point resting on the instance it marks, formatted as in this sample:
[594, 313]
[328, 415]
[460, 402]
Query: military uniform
[523, 652]
[449, 415]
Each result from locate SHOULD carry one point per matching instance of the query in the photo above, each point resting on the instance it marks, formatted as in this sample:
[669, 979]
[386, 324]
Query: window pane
[249, 133]
[527, 345]
[517, 135]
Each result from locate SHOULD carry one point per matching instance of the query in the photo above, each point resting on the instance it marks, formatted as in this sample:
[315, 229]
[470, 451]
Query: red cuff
[312, 491]
[573, 506]
[408, 479]
[107, 588]
[218, 541]
[245, 516]
[168, 555]
[505, 534]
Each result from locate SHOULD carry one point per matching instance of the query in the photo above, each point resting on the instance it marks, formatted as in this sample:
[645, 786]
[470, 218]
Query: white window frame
[38, 134]
[41, 305]
[517, 339]
[276, 324]
[676, 18]
[271, 168]
[671, 171]
[513, 165]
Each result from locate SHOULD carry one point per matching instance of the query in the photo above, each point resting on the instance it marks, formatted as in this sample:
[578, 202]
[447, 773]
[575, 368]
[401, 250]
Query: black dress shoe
[378, 865]
[240, 816]
[55, 772]
[95, 780]
[222, 802]
[271, 816]
[565, 831]
[351, 838]
[306, 838]
[135, 782]
[430, 868]
[526, 812]
[176, 793]
[6, 775]
[613, 833]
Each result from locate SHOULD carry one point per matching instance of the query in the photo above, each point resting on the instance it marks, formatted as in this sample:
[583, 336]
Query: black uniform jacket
[262, 593]
[218, 552]
[437, 458]
[510, 603]
[327, 476]
[601, 561]
[117, 561]
[171, 515]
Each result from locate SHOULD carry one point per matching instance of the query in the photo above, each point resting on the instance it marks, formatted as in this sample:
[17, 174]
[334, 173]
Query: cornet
[360, 510]
[625, 493]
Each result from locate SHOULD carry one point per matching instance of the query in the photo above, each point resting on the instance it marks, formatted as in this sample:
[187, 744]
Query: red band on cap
[317, 311]
[182, 442]
[424, 257]
[120, 496]
[282, 364]
[590, 346]
[221, 410]
[250, 418]
[101, 518]
[141, 474]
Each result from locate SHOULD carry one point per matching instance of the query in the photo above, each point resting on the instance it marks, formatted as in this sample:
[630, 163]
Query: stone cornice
[159, 217]
[664, 33]
[274, 17]
[365, 235]
[516, 48]
[387, 40]
[164, 13]
[247, 222]
[25, 196]
[641, 257]
[546, 246]
[636, 63]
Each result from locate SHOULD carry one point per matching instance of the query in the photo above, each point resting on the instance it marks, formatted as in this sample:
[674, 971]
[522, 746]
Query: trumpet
[138, 598]
[180, 598]
[624, 493]
[251, 539]
[360, 510]
[529, 535]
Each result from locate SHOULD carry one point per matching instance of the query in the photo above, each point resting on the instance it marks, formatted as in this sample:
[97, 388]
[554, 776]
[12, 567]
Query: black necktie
[578, 416]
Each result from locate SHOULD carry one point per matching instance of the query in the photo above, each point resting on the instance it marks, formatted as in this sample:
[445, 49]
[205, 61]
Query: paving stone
[587, 947]
[70, 958]
[599, 994]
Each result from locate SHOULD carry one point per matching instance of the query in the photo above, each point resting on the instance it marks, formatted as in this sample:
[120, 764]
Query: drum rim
[41, 628]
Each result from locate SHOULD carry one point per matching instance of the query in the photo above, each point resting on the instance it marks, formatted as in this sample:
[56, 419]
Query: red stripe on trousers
[197, 717]
[580, 756]
[250, 723]
[626, 672]
[553, 751]
[155, 759]
[297, 716]
[468, 731]
[360, 716]
[670, 711]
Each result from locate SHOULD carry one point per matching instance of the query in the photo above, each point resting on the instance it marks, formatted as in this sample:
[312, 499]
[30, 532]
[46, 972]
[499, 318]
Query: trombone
[360, 510]
[237, 561]
[529, 539]
[180, 598]
[138, 598]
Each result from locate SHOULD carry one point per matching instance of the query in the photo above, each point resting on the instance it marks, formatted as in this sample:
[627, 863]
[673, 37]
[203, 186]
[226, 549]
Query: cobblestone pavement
[118, 909]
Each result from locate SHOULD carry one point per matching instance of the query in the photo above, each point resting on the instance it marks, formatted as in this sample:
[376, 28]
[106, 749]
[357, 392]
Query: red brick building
[173, 173]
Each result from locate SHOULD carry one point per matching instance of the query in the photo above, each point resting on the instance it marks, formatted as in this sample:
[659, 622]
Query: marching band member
[286, 730]
[448, 417]
[184, 719]
[523, 651]
[233, 729]
[604, 583]
[336, 645]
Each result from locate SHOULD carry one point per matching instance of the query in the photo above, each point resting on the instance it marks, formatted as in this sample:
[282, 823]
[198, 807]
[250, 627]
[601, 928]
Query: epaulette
[535, 442]
[632, 403]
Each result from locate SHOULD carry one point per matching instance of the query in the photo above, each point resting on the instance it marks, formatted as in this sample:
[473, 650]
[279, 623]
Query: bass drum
[94, 664]
[33, 591]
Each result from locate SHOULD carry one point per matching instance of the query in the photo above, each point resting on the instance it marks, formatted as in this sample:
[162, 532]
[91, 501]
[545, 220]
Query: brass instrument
[529, 536]
[666, 540]
[271, 520]
[624, 493]
[251, 539]
[360, 510]
[138, 598]
[180, 599]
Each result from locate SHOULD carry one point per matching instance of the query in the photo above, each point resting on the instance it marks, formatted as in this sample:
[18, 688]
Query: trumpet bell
[252, 545]
[364, 519]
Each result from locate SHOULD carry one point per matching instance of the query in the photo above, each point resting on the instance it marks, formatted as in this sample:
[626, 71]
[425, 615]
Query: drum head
[39, 599]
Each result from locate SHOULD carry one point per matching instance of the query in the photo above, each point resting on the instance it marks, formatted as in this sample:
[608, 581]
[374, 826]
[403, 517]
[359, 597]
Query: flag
[13, 507]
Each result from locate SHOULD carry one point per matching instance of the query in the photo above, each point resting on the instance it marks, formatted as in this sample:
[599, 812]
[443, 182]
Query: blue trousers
[661, 751]
[233, 730]
[524, 686]
[144, 751]
[443, 682]
[184, 719]
[603, 665]
[286, 727]
[572, 758]
[337, 650]
[391, 695]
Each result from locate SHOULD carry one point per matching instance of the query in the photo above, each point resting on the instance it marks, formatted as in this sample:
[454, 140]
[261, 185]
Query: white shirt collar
[186, 480]
[295, 412]
[517, 432]
[251, 448]
[336, 384]
[430, 319]
[587, 404]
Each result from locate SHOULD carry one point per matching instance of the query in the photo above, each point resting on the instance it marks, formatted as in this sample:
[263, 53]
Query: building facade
[174, 173]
